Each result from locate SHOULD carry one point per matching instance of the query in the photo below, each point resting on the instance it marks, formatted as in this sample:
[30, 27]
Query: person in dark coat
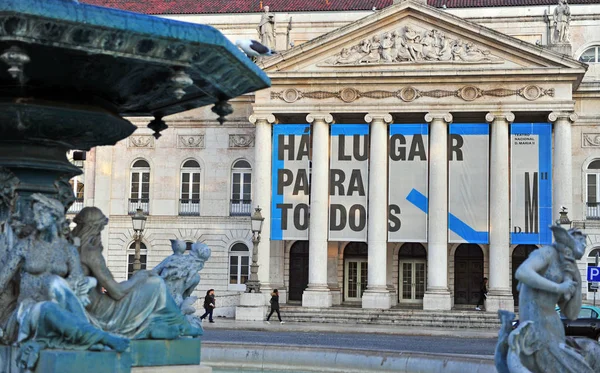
[483, 294]
[209, 305]
[275, 306]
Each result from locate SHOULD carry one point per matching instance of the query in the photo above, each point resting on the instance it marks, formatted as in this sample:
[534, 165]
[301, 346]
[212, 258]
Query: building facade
[401, 155]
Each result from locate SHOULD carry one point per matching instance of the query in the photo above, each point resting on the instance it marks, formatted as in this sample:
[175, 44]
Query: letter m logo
[531, 203]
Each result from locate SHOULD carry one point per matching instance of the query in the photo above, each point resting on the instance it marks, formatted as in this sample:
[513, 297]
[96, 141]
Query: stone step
[395, 316]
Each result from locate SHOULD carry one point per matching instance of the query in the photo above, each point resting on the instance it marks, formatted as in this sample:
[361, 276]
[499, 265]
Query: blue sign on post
[593, 274]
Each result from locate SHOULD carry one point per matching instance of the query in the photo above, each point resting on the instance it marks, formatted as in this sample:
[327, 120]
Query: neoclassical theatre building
[405, 150]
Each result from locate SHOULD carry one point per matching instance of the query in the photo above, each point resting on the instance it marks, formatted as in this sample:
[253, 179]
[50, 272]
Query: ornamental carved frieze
[407, 45]
[241, 141]
[409, 94]
[141, 141]
[590, 140]
[190, 141]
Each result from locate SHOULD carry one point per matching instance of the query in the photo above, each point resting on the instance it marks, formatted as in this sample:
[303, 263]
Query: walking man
[483, 294]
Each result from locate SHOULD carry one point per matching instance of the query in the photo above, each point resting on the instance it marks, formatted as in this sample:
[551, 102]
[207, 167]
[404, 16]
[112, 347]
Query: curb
[304, 327]
[241, 357]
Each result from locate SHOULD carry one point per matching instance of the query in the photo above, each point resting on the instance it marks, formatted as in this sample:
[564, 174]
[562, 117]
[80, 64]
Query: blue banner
[290, 182]
[531, 183]
[468, 175]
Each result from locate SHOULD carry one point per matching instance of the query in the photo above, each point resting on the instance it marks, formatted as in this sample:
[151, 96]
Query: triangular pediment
[414, 38]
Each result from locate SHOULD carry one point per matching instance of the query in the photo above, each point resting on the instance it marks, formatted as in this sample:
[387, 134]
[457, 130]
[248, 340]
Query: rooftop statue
[548, 277]
[266, 28]
[180, 273]
[139, 308]
[562, 21]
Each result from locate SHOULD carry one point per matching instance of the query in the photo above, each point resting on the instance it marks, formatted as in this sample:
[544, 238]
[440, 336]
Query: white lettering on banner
[291, 182]
[407, 178]
[531, 188]
[468, 207]
[348, 182]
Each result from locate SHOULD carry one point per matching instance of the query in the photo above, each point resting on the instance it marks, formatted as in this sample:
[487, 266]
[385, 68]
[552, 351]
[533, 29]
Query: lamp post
[139, 223]
[564, 220]
[256, 221]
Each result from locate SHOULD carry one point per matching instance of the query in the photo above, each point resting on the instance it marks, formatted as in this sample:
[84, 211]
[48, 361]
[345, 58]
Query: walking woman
[275, 306]
[209, 305]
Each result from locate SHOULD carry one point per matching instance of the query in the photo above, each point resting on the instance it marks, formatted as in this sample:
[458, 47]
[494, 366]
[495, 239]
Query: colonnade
[437, 295]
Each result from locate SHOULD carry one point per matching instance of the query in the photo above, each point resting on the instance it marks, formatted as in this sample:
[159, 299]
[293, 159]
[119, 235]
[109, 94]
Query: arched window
[239, 266]
[241, 189]
[140, 186]
[593, 190]
[189, 203]
[131, 257]
[590, 55]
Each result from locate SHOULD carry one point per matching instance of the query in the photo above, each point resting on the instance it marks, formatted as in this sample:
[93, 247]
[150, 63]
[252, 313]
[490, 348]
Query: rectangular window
[592, 188]
[245, 270]
[233, 269]
[190, 186]
[130, 260]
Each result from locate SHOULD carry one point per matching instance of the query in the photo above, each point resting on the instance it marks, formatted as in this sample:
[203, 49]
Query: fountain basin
[235, 357]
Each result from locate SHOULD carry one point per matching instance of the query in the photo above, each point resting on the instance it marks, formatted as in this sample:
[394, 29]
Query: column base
[393, 295]
[336, 296]
[437, 301]
[495, 302]
[377, 299]
[253, 307]
[319, 298]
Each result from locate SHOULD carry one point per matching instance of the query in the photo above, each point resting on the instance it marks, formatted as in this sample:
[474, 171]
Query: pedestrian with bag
[209, 305]
[483, 294]
[275, 306]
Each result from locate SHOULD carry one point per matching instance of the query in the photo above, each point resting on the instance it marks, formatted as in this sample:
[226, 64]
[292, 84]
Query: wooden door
[298, 280]
[468, 274]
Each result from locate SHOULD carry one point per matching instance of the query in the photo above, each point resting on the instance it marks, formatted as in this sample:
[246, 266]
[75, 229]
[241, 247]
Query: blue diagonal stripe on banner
[454, 224]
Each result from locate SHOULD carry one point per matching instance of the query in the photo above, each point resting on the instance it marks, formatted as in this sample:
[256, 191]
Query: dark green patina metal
[69, 74]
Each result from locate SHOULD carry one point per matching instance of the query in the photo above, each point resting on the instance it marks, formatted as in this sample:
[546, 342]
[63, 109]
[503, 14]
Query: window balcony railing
[593, 211]
[76, 206]
[139, 203]
[189, 207]
[240, 207]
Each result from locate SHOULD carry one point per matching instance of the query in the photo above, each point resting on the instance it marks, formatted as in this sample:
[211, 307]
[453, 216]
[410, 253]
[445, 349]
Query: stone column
[253, 306]
[437, 296]
[377, 294]
[499, 290]
[261, 190]
[317, 294]
[562, 168]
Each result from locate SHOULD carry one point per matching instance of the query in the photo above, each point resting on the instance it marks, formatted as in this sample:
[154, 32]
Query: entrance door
[355, 282]
[468, 274]
[412, 281]
[298, 280]
[520, 253]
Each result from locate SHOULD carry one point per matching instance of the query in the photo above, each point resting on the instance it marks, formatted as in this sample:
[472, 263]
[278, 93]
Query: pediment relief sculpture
[408, 45]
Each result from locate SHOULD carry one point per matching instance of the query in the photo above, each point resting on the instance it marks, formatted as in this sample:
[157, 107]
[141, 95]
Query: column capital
[318, 116]
[500, 115]
[385, 117]
[443, 115]
[256, 117]
[555, 115]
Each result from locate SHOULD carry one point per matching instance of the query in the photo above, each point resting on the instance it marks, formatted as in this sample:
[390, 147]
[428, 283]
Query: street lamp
[139, 223]
[256, 221]
[564, 220]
